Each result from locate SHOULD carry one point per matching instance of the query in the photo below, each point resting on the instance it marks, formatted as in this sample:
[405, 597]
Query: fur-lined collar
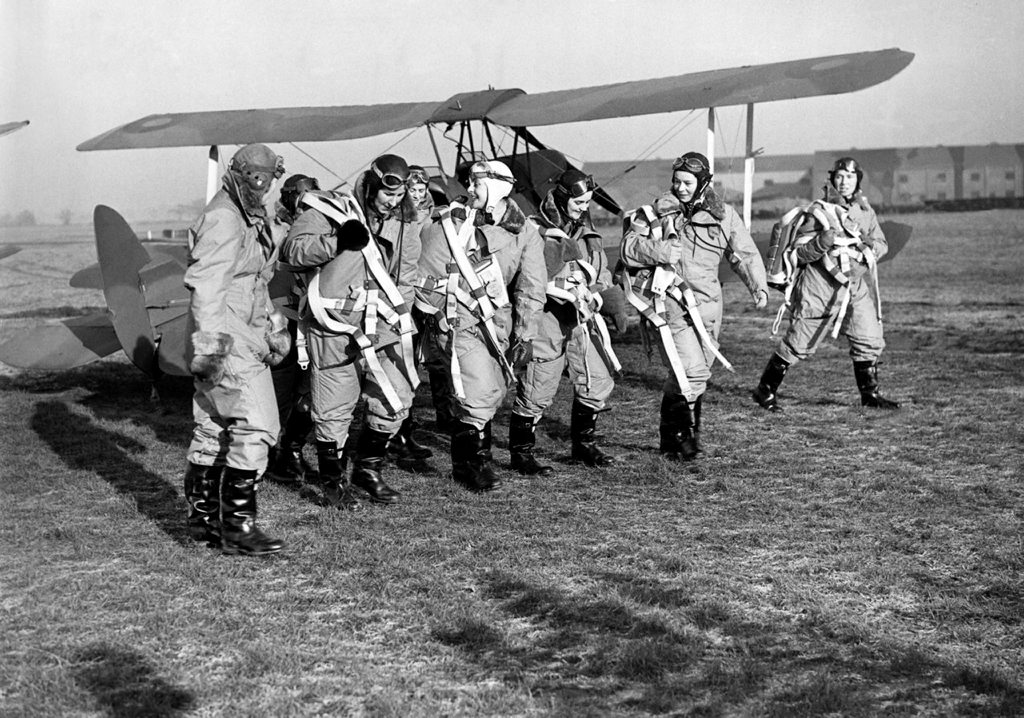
[512, 221]
[551, 215]
[711, 203]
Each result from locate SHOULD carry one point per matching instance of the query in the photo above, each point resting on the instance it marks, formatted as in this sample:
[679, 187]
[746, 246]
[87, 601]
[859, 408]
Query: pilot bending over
[359, 254]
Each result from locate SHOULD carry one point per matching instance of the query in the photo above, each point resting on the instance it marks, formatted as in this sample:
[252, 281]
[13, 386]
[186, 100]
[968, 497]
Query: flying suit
[231, 259]
[706, 233]
[562, 338]
[836, 285]
[456, 331]
[342, 369]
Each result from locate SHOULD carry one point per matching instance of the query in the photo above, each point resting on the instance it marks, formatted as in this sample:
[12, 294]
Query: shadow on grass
[684, 651]
[126, 685]
[119, 391]
[82, 445]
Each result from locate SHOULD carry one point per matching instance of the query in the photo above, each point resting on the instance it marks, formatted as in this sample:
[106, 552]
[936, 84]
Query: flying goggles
[581, 187]
[488, 174]
[692, 164]
[417, 176]
[389, 180]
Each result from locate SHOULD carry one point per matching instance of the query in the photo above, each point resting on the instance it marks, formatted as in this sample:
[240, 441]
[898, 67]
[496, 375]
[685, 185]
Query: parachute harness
[848, 247]
[478, 275]
[574, 289]
[647, 291]
[378, 299]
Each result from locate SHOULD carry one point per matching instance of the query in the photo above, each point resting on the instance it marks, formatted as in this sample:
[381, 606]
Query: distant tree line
[24, 218]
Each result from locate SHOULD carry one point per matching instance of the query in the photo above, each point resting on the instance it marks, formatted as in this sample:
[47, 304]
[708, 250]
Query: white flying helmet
[496, 177]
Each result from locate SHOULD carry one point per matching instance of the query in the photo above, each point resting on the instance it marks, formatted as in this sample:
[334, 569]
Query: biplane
[146, 300]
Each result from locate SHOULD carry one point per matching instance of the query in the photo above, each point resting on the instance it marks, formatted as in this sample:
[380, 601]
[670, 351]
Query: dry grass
[831, 561]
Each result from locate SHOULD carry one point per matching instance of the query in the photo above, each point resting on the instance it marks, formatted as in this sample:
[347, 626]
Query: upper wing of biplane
[829, 75]
[7, 128]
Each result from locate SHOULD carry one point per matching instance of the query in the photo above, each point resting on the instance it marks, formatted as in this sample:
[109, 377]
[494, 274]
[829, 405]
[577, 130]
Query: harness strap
[341, 210]
[483, 309]
[689, 302]
[366, 348]
[649, 312]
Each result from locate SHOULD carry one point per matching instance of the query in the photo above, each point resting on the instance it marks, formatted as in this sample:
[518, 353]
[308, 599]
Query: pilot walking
[235, 336]
[837, 248]
[471, 254]
[571, 332]
[359, 253]
[671, 251]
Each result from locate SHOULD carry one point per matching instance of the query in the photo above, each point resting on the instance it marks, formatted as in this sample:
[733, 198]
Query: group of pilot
[482, 298]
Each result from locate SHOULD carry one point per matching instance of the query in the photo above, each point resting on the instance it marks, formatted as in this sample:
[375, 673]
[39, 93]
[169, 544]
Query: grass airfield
[833, 560]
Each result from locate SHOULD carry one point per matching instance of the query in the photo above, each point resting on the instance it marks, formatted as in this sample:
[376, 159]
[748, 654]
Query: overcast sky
[77, 68]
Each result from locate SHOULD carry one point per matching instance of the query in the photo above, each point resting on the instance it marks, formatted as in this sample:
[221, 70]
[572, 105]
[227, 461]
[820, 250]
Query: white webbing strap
[649, 312]
[684, 295]
[366, 348]
[342, 209]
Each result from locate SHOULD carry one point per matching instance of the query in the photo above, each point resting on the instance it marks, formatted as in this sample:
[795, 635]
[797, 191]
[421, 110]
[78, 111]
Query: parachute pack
[780, 261]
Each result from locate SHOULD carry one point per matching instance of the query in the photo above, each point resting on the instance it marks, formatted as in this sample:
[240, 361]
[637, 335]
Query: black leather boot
[239, 533]
[202, 493]
[441, 396]
[867, 381]
[521, 440]
[584, 441]
[774, 373]
[368, 466]
[677, 428]
[698, 407]
[403, 445]
[334, 477]
[288, 466]
[471, 463]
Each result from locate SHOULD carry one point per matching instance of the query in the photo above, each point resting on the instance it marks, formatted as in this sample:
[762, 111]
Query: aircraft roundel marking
[150, 124]
[829, 65]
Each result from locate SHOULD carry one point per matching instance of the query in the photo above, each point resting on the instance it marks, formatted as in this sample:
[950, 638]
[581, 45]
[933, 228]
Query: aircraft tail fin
[121, 257]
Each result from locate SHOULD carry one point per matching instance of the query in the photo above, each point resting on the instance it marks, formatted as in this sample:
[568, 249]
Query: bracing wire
[318, 162]
[387, 149]
[667, 136]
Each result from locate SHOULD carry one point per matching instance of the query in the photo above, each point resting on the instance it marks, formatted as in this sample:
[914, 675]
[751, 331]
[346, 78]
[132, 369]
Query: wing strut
[212, 173]
[748, 166]
[711, 139]
[437, 152]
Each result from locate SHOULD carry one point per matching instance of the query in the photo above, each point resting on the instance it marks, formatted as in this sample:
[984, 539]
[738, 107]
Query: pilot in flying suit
[470, 256]
[359, 254]
[671, 252]
[837, 249]
[234, 335]
[570, 330]
[291, 377]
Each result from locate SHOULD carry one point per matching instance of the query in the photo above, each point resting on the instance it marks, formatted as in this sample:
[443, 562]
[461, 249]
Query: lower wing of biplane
[146, 312]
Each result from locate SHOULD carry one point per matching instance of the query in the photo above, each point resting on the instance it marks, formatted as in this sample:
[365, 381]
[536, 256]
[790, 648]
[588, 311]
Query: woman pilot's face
[845, 182]
[684, 185]
[385, 201]
[418, 193]
[576, 206]
[477, 193]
